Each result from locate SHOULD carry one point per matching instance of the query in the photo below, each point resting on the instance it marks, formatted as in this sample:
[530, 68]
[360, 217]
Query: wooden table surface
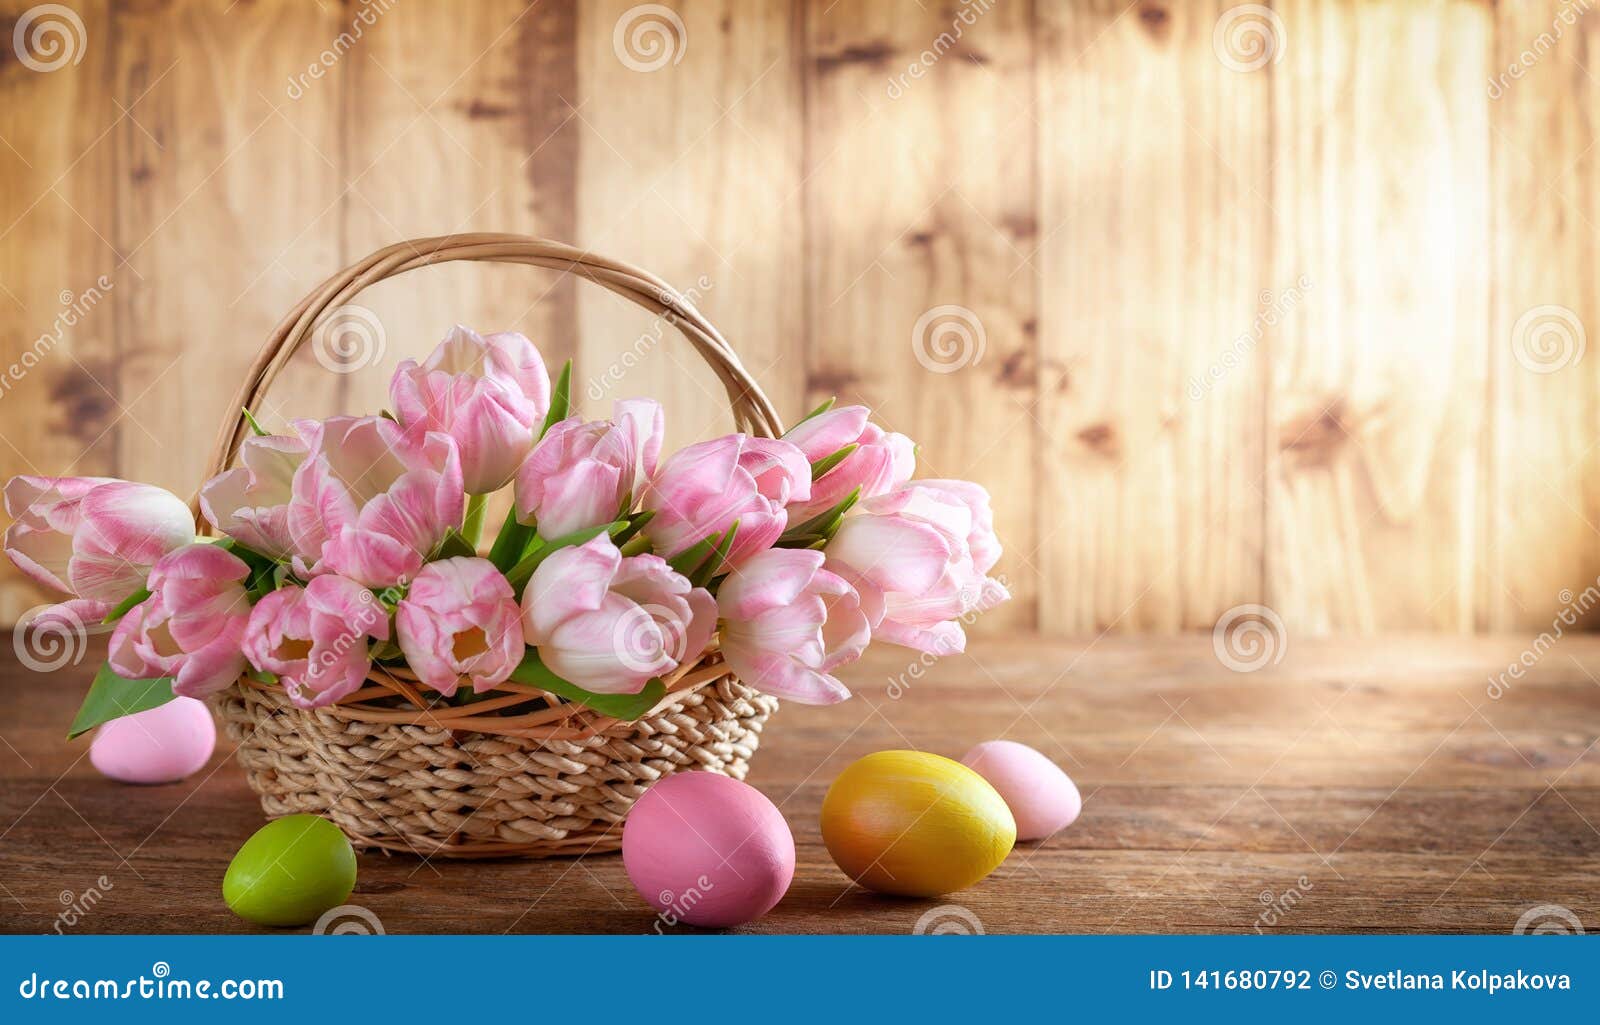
[1358, 785]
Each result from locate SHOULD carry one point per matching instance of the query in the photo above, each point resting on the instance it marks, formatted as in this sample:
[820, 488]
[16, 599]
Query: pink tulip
[787, 623]
[701, 490]
[460, 619]
[881, 461]
[250, 503]
[371, 502]
[584, 474]
[191, 626]
[92, 537]
[488, 393]
[315, 638]
[920, 557]
[609, 624]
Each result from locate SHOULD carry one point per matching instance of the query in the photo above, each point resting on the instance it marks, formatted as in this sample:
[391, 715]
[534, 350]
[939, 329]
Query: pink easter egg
[1042, 798]
[159, 745]
[707, 850]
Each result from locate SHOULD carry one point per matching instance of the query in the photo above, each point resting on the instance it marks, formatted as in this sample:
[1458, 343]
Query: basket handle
[753, 412]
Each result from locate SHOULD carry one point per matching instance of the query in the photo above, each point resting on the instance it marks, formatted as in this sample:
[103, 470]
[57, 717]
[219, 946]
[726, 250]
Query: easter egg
[707, 850]
[1042, 798]
[159, 745]
[915, 824]
[290, 872]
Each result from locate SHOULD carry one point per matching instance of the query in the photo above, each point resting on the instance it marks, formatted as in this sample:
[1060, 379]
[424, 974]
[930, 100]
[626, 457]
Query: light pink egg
[1042, 798]
[707, 850]
[159, 745]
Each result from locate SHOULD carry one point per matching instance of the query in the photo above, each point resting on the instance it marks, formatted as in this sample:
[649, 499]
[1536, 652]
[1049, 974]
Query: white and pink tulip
[489, 393]
[192, 625]
[460, 621]
[882, 460]
[92, 537]
[250, 503]
[610, 623]
[372, 502]
[788, 623]
[584, 474]
[315, 638]
[920, 556]
[701, 490]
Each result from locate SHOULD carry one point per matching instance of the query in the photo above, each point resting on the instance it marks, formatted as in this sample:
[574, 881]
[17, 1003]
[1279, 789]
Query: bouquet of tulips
[357, 539]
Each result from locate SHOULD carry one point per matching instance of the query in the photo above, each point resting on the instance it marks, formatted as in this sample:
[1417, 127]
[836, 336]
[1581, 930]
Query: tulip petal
[828, 432]
[785, 677]
[772, 579]
[572, 580]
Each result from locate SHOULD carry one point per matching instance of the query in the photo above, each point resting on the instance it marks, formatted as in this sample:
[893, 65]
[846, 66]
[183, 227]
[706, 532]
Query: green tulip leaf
[814, 413]
[560, 400]
[125, 605]
[510, 542]
[112, 697]
[626, 707]
[826, 463]
[522, 572]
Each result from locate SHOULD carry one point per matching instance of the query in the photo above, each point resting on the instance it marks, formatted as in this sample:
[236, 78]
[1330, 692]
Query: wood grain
[441, 146]
[689, 159]
[1542, 465]
[59, 411]
[480, 138]
[921, 223]
[222, 252]
[1376, 475]
[1167, 431]
[1154, 226]
[1372, 778]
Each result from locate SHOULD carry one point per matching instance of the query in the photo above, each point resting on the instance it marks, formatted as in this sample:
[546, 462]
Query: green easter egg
[290, 872]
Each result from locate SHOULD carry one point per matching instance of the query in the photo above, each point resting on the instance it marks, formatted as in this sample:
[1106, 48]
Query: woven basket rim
[508, 710]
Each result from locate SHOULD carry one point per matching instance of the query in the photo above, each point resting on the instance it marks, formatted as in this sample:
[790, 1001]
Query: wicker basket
[520, 772]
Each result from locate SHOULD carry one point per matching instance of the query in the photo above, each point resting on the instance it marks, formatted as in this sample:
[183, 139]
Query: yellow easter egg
[915, 824]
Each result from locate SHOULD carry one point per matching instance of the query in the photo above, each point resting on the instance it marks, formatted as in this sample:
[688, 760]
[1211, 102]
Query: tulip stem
[472, 528]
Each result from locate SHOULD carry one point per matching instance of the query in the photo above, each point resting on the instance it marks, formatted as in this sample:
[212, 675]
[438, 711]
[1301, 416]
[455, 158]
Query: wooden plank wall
[1226, 304]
